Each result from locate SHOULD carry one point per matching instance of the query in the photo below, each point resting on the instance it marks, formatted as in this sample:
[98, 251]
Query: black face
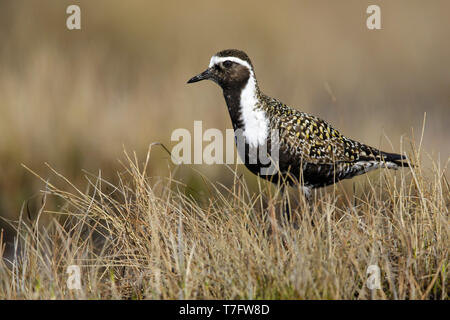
[228, 74]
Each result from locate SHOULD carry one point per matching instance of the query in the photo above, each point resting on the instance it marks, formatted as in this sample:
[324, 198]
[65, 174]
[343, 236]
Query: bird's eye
[227, 63]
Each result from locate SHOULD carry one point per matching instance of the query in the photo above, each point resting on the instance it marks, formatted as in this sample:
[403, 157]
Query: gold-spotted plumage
[325, 154]
[309, 137]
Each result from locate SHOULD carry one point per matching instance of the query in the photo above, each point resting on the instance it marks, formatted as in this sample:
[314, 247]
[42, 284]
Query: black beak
[202, 76]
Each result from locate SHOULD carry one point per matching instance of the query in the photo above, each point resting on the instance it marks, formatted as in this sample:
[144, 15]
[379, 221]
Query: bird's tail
[398, 159]
[371, 153]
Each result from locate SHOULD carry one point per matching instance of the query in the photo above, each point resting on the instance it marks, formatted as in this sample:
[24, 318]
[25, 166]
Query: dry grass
[146, 238]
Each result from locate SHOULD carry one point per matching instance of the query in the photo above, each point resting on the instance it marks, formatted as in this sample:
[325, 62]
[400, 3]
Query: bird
[310, 152]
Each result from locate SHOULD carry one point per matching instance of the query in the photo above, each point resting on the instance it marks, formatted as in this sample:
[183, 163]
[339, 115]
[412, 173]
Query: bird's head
[230, 69]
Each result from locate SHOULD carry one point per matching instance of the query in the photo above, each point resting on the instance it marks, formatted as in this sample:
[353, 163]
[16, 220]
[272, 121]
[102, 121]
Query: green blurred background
[74, 98]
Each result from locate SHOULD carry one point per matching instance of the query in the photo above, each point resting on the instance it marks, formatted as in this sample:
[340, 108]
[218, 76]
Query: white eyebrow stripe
[216, 59]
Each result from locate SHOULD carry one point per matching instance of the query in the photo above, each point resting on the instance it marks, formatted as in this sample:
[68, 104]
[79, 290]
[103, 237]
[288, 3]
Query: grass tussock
[145, 237]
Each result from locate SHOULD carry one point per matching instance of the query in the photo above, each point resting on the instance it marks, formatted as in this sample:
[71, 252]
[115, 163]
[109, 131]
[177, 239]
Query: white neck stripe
[256, 124]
